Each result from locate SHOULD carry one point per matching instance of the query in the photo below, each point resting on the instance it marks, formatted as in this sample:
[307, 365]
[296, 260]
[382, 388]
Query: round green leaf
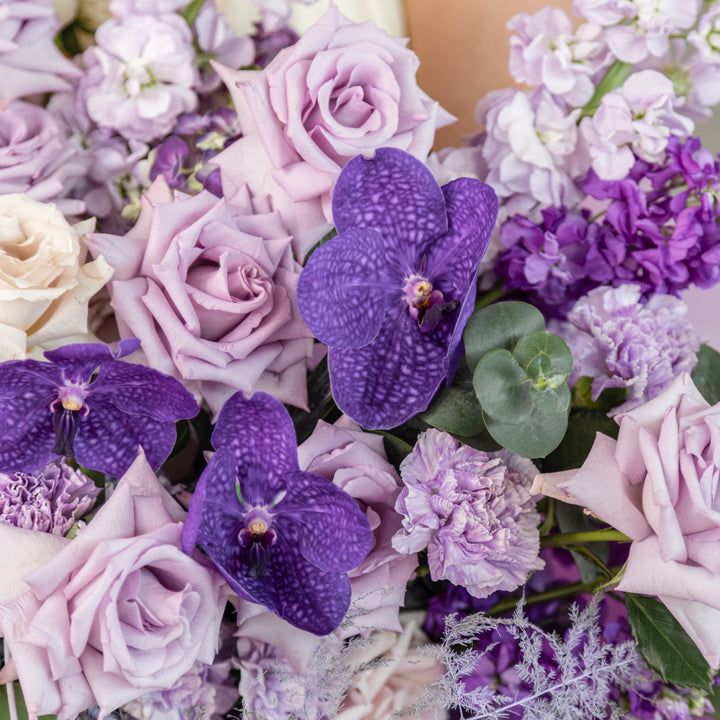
[499, 326]
[544, 343]
[502, 388]
[551, 399]
[456, 409]
[539, 435]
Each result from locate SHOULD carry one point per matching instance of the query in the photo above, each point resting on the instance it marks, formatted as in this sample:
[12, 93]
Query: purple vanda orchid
[391, 294]
[86, 404]
[282, 538]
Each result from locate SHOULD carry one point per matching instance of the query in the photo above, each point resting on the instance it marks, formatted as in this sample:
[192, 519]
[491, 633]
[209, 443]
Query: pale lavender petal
[261, 435]
[394, 377]
[345, 289]
[397, 196]
[335, 535]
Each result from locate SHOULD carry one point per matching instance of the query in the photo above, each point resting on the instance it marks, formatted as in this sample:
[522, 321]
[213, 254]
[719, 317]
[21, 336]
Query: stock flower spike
[84, 404]
[282, 538]
[392, 292]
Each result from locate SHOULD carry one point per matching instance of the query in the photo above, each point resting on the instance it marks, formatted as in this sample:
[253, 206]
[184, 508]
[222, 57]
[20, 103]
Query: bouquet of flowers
[299, 419]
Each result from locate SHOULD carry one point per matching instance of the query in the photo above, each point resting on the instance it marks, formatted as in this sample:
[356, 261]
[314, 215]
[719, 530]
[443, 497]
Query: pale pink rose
[45, 283]
[116, 613]
[342, 90]
[399, 682]
[659, 483]
[209, 287]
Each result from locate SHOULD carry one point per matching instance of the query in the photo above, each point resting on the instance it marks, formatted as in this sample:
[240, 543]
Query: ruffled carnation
[50, 500]
[621, 343]
[140, 75]
[36, 157]
[472, 511]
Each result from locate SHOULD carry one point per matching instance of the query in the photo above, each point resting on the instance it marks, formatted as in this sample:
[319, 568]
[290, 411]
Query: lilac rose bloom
[392, 292]
[282, 537]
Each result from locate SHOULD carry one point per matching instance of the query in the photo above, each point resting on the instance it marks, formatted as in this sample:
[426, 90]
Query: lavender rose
[116, 613]
[209, 288]
[659, 483]
[342, 90]
[36, 157]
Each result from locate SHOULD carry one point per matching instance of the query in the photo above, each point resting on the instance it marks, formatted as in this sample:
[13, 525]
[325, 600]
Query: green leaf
[455, 409]
[502, 388]
[499, 326]
[608, 398]
[556, 355]
[579, 438]
[539, 435]
[192, 10]
[396, 449]
[664, 644]
[551, 399]
[707, 374]
[613, 78]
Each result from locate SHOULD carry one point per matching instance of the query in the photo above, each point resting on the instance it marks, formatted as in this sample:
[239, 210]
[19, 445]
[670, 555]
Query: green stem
[614, 77]
[493, 294]
[579, 538]
[575, 588]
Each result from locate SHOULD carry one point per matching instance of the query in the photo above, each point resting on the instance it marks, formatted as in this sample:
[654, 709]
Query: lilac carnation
[36, 157]
[50, 500]
[140, 75]
[472, 511]
[621, 343]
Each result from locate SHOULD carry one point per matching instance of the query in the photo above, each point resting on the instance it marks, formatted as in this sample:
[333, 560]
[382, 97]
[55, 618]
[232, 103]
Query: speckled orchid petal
[334, 534]
[110, 440]
[297, 591]
[396, 195]
[261, 435]
[394, 377]
[349, 275]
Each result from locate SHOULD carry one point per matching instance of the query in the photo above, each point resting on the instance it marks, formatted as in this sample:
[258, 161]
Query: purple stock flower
[282, 538]
[392, 292]
[49, 500]
[84, 404]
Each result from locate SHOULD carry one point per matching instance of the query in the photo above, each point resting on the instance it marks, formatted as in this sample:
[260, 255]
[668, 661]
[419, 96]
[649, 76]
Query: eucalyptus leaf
[456, 409]
[501, 387]
[539, 435]
[707, 374]
[666, 647]
[551, 399]
[546, 344]
[497, 326]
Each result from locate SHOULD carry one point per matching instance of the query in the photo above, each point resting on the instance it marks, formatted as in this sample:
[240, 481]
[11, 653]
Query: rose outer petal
[394, 377]
[260, 433]
[334, 534]
[344, 289]
[395, 194]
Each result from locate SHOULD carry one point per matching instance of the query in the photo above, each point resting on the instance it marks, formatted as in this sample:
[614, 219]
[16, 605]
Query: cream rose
[45, 283]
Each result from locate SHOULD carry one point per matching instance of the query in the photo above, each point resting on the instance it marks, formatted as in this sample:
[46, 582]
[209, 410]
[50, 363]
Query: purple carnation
[620, 342]
[50, 500]
[472, 511]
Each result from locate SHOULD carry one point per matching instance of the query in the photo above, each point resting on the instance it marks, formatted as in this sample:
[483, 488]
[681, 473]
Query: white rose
[45, 283]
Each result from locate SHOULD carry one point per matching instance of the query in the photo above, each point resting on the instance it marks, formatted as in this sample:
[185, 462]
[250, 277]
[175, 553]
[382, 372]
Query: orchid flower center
[419, 295]
[67, 408]
[256, 537]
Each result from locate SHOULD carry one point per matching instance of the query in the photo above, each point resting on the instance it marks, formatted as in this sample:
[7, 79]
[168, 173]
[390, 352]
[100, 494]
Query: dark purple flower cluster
[184, 157]
[658, 228]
